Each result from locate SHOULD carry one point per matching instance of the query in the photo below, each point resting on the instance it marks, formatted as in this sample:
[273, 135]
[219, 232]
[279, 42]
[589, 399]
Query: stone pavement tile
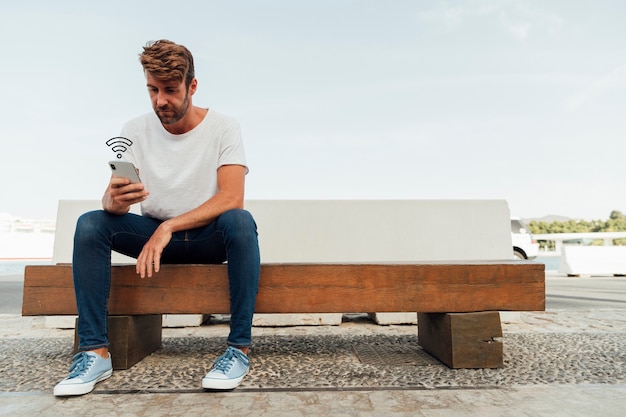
[313, 362]
[536, 401]
[356, 354]
[576, 321]
[557, 363]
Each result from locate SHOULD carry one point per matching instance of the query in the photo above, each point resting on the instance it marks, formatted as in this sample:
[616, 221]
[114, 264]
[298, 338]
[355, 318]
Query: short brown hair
[168, 61]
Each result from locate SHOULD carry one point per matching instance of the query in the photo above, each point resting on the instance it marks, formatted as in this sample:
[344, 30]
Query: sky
[337, 99]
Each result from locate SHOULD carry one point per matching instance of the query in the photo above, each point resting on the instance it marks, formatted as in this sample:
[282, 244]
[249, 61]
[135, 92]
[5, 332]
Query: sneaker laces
[227, 360]
[80, 365]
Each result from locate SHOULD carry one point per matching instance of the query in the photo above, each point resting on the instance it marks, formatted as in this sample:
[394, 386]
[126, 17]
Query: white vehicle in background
[524, 246]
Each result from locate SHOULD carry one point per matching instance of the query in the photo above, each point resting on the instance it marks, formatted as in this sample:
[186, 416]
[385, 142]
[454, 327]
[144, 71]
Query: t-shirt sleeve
[231, 150]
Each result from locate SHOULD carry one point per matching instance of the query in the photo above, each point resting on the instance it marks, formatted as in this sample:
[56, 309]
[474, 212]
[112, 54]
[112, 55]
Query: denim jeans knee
[91, 269]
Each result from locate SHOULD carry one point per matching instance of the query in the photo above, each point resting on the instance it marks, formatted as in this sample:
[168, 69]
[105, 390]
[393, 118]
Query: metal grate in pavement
[392, 354]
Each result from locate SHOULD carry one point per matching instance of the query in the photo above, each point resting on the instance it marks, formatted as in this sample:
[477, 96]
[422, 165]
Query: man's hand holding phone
[124, 190]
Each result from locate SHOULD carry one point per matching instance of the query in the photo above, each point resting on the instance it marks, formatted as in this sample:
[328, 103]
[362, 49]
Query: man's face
[170, 99]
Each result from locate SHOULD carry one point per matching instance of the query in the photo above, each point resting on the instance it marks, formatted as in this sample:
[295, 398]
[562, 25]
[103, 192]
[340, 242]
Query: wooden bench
[457, 301]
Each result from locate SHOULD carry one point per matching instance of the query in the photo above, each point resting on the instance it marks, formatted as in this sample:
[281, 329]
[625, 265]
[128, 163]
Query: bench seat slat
[304, 288]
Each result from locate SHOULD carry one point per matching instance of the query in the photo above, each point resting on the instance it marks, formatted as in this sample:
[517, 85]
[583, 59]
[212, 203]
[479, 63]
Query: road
[584, 293]
[11, 297]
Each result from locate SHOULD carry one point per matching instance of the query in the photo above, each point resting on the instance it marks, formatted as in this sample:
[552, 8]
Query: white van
[524, 246]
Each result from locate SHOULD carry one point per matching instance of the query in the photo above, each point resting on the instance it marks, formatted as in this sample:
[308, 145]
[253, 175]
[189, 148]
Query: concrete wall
[593, 260]
[382, 230]
[354, 230]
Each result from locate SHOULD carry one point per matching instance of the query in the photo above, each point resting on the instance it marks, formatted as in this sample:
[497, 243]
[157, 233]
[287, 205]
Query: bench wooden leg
[462, 340]
[131, 338]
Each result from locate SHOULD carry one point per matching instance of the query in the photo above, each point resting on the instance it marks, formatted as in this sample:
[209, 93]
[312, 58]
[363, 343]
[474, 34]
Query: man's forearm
[204, 214]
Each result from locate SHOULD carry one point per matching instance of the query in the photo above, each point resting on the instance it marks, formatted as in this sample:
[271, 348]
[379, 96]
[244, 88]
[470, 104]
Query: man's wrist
[167, 226]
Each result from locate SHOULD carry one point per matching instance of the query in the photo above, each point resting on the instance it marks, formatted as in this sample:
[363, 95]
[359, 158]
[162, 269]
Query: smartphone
[124, 169]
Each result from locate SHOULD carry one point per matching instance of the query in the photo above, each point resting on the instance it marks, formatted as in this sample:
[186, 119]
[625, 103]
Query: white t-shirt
[180, 171]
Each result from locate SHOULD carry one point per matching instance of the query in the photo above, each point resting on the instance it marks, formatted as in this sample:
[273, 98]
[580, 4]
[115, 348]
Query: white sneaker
[228, 370]
[88, 368]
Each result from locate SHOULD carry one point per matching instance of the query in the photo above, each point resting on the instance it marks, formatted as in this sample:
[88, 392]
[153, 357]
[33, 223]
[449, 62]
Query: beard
[174, 114]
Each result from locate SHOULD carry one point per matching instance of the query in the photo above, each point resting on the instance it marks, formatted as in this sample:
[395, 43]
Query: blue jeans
[232, 237]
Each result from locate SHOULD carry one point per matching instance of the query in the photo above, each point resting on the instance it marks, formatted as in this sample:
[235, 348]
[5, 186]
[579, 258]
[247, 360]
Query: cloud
[445, 14]
[516, 27]
[517, 18]
[597, 88]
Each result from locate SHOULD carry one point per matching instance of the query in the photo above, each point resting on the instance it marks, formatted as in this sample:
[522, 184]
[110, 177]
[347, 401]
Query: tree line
[615, 223]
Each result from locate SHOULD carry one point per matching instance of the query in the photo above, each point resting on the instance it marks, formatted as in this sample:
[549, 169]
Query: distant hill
[549, 219]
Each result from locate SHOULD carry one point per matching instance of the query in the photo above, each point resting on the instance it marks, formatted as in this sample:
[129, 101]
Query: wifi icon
[119, 144]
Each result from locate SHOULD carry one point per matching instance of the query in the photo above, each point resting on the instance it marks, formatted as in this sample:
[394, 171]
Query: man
[192, 166]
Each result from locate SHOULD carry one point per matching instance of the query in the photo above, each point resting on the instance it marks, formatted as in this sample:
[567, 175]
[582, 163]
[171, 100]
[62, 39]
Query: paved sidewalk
[551, 401]
[557, 363]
